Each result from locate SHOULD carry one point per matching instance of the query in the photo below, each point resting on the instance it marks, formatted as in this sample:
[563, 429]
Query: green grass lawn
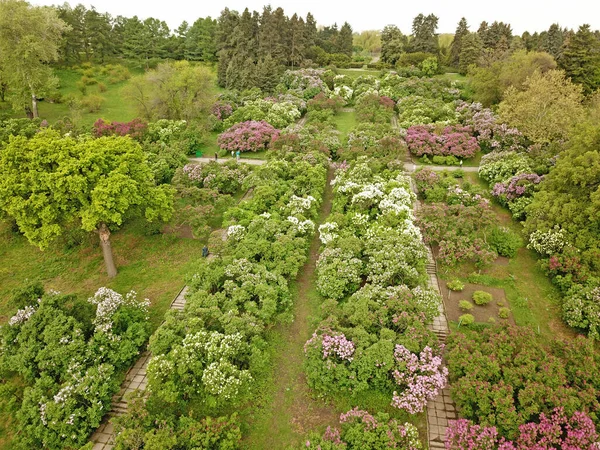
[470, 162]
[453, 77]
[345, 122]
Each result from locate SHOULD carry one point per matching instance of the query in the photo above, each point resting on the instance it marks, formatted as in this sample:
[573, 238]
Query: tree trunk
[34, 108]
[104, 233]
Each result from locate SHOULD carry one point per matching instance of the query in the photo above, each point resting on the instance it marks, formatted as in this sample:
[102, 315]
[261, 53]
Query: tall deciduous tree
[546, 110]
[49, 183]
[462, 30]
[29, 39]
[177, 90]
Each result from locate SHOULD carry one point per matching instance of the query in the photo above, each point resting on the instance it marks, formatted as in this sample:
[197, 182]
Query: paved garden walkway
[442, 408]
[103, 438]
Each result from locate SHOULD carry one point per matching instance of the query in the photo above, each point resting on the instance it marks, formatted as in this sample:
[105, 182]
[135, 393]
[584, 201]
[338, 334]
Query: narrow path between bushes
[292, 411]
[441, 409]
[252, 162]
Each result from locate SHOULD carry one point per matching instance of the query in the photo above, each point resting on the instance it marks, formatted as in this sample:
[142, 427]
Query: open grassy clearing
[345, 121]
[533, 299]
[355, 73]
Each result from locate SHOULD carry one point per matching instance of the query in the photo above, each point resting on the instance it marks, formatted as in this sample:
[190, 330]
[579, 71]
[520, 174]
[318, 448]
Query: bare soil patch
[481, 313]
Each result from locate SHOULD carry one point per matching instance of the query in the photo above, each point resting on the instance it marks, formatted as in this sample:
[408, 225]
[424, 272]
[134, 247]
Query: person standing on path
[216, 156]
[237, 156]
[232, 154]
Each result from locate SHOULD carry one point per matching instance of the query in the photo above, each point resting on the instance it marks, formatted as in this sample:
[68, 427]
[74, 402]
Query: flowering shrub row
[374, 334]
[70, 354]
[211, 353]
[455, 141]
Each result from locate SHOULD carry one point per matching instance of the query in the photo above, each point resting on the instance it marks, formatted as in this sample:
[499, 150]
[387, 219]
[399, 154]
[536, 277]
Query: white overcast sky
[372, 14]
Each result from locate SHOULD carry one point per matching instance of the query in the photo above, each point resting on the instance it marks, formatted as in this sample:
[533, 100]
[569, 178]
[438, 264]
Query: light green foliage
[429, 67]
[546, 109]
[466, 319]
[505, 242]
[49, 183]
[455, 285]
[482, 298]
[465, 305]
[174, 91]
[504, 313]
[29, 39]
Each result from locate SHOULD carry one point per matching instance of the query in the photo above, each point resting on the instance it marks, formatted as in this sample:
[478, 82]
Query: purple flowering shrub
[135, 128]
[374, 108]
[250, 136]
[224, 178]
[360, 430]
[556, 431]
[517, 192]
[506, 377]
[453, 141]
[221, 110]
[421, 380]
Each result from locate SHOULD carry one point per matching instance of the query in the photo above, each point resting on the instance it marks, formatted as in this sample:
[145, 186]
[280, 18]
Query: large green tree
[177, 90]
[580, 58]
[345, 39]
[462, 30]
[424, 36]
[49, 183]
[470, 52]
[29, 39]
[393, 44]
[546, 109]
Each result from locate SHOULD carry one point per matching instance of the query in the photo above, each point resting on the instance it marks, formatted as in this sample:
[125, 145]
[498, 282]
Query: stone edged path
[104, 437]
[442, 408]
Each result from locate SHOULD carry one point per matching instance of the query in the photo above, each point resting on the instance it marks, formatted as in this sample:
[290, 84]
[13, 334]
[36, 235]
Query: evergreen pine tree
[581, 59]
[470, 52]
[455, 48]
[345, 39]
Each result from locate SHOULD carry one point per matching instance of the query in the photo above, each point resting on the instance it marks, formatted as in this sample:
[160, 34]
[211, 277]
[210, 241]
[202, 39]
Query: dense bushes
[374, 335]
[248, 136]
[207, 357]
[70, 353]
[453, 141]
[504, 377]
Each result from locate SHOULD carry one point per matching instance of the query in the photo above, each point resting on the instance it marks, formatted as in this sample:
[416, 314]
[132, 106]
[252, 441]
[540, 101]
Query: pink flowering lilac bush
[421, 379]
[248, 136]
[556, 431]
[135, 128]
[360, 430]
[453, 141]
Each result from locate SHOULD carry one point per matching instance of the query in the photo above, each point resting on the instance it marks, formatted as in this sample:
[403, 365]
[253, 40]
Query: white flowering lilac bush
[212, 353]
[372, 270]
[70, 353]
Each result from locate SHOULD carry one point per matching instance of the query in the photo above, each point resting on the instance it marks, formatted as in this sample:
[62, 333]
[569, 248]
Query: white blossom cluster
[236, 232]
[22, 316]
[108, 302]
[304, 226]
[327, 232]
[299, 205]
[345, 92]
[548, 242]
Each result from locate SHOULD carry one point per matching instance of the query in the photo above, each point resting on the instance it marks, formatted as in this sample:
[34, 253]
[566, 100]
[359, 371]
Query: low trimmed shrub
[482, 298]
[465, 305]
[466, 319]
[455, 285]
[504, 313]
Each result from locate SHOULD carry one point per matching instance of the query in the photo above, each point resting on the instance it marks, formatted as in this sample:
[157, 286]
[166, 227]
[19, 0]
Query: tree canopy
[49, 183]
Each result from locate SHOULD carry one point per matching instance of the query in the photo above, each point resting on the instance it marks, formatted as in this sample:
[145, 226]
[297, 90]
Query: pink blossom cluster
[455, 141]
[136, 128]
[556, 431]
[517, 186]
[337, 345]
[364, 416]
[421, 379]
[248, 136]
[221, 110]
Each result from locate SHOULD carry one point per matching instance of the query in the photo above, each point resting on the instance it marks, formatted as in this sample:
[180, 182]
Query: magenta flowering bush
[518, 186]
[135, 128]
[556, 431]
[221, 110]
[250, 136]
[453, 141]
[337, 345]
[421, 378]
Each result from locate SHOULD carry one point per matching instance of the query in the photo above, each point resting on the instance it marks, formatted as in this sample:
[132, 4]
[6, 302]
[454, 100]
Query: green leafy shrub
[505, 242]
[465, 305]
[466, 319]
[92, 103]
[504, 313]
[482, 298]
[455, 285]
[102, 87]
